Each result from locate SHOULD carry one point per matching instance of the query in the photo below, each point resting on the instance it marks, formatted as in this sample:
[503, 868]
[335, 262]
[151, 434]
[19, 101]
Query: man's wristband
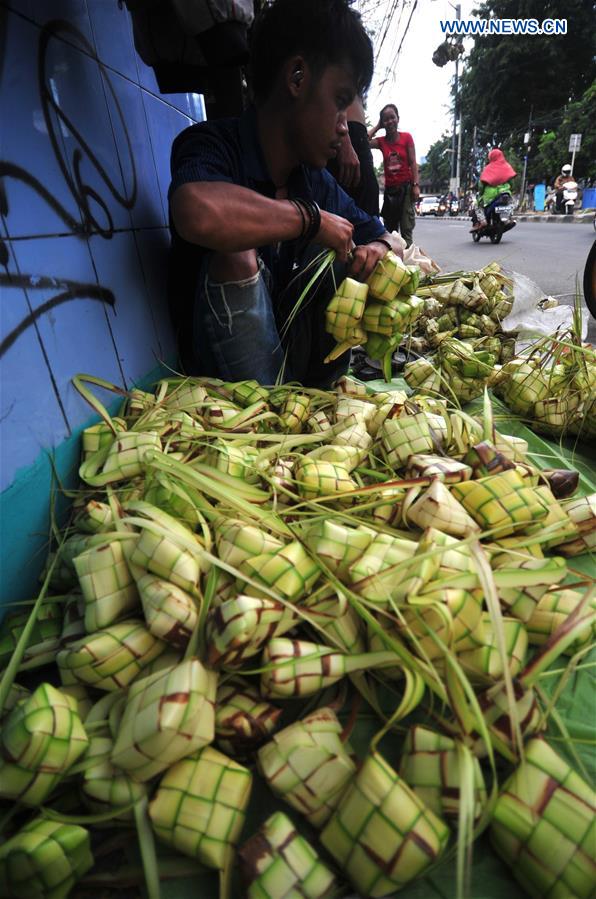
[383, 241]
[311, 217]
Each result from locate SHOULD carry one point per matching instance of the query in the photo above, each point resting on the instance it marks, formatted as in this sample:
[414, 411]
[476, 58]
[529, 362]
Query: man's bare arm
[228, 218]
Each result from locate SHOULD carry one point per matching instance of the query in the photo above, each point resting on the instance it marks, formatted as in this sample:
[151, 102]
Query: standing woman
[401, 173]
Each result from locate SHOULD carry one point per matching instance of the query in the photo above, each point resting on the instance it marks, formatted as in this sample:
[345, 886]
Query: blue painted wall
[85, 138]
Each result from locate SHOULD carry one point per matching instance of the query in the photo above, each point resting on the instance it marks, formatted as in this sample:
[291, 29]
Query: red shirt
[395, 159]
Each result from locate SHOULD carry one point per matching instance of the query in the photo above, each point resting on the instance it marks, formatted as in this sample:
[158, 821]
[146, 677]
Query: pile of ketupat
[553, 385]
[468, 306]
[240, 564]
[459, 369]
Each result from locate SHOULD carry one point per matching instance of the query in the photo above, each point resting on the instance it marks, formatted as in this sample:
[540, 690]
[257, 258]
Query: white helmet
[566, 169]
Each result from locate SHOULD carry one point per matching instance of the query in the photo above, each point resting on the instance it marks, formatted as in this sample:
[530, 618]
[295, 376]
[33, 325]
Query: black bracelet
[383, 241]
[298, 206]
[312, 211]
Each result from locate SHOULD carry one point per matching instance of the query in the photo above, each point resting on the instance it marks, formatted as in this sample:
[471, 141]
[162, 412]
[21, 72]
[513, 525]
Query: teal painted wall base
[26, 508]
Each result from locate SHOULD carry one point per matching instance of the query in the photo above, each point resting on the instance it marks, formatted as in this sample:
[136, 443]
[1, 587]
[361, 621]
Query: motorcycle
[498, 221]
[568, 200]
[442, 207]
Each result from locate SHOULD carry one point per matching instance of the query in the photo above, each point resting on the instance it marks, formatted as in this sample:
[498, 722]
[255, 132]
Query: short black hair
[389, 106]
[324, 32]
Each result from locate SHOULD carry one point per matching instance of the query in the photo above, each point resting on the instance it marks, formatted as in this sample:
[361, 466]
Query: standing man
[354, 167]
[250, 199]
[402, 188]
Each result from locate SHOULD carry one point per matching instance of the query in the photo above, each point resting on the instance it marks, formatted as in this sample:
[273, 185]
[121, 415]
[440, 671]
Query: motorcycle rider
[495, 180]
[563, 178]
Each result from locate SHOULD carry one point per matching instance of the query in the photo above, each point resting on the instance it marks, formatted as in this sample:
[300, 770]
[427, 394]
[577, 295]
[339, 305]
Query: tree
[553, 146]
[437, 166]
[509, 77]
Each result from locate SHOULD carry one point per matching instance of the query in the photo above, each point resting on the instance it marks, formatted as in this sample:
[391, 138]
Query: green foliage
[553, 147]
[509, 77]
[437, 167]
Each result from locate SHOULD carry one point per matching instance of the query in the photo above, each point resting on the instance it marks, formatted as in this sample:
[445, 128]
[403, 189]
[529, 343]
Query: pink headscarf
[498, 170]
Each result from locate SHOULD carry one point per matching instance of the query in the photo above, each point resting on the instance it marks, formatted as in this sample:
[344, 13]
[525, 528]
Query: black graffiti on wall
[93, 207]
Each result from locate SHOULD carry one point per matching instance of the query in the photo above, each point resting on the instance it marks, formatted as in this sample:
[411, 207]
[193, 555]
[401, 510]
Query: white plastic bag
[531, 322]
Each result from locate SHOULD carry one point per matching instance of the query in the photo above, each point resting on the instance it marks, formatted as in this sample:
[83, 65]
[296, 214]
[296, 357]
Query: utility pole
[473, 163]
[458, 169]
[453, 135]
[522, 192]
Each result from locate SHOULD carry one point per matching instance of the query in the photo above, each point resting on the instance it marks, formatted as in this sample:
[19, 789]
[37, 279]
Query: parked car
[429, 206]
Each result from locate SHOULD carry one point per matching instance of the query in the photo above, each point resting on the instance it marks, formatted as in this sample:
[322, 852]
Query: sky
[419, 88]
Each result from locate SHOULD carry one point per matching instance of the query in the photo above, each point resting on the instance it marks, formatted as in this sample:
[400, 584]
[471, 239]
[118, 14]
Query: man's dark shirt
[228, 150]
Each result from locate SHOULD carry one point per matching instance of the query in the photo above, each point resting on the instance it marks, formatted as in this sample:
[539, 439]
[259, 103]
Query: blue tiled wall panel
[164, 124]
[112, 34]
[153, 247]
[80, 84]
[133, 146]
[84, 129]
[29, 408]
[75, 334]
[131, 320]
[41, 12]
[39, 200]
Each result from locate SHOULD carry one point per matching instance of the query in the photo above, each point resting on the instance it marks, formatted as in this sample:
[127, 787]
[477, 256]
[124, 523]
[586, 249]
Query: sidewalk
[585, 217]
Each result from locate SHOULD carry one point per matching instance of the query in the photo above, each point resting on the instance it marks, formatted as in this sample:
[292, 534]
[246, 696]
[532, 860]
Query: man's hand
[415, 192]
[336, 234]
[364, 259]
[348, 164]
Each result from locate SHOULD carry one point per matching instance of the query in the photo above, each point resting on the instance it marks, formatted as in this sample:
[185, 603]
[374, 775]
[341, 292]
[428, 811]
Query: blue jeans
[235, 334]
[237, 326]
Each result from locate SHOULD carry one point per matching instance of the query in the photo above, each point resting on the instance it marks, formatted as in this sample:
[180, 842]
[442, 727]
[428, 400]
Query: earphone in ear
[297, 76]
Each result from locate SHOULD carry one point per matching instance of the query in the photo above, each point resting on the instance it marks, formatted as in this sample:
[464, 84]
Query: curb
[581, 219]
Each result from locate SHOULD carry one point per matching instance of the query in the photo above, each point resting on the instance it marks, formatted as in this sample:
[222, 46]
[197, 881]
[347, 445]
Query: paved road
[553, 255]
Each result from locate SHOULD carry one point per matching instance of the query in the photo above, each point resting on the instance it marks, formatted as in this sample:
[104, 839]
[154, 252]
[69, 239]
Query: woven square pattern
[381, 834]
[167, 716]
[551, 611]
[388, 277]
[113, 658]
[126, 455]
[278, 863]
[289, 570]
[387, 570]
[41, 739]
[501, 502]
[308, 766]
[106, 583]
[338, 545]
[200, 806]
[243, 721]
[345, 309]
[484, 663]
[430, 765]
[544, 826]
[167, 559]
[170, 612]
[404, 437]
[237, 541]
[237, 629]
[438, 509]
[384, 318]
[44, 858]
